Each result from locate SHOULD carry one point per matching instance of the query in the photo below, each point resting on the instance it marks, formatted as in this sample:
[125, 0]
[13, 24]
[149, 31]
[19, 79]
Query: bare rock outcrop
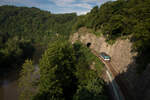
[120, 51]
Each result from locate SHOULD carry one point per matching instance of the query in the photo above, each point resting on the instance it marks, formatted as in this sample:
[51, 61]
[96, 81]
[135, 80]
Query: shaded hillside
[122, 18]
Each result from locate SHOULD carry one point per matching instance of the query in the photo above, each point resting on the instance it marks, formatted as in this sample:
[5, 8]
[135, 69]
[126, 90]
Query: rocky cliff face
[121, 59]
[120, 51]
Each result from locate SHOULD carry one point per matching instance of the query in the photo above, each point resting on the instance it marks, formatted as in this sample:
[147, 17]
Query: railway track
[122, 87]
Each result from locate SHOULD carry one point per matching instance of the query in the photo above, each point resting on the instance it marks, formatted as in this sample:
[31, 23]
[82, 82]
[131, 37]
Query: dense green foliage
[32, 22]
[122, 18]
[65, 74]
[25, 32]
[13, 51]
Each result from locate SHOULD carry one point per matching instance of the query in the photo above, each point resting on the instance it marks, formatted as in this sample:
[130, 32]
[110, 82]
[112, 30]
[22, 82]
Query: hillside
[122, 19]
[32, 22]
[25, 33]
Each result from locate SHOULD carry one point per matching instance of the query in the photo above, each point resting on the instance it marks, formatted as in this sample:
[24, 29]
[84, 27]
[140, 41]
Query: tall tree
[28, 78]
[57, 66]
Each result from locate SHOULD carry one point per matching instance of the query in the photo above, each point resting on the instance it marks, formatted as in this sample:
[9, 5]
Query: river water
[8, 90]
[9, 87]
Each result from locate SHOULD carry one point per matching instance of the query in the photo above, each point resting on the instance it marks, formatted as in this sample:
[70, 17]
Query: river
[8, 90]
[9, 87]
